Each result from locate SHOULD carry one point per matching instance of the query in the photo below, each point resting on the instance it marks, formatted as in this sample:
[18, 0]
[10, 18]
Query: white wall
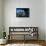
[45, 19]
[37, 17]
[0, 18]
[0, 10]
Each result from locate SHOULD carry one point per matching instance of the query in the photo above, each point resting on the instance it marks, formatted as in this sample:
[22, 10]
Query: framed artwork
[22, 12]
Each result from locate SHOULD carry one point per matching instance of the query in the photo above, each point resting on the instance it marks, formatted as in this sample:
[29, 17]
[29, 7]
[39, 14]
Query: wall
[45, 19]
[37, 17]
[0, 18]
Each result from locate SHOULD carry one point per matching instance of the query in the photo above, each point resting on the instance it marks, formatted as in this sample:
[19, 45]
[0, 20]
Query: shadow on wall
[1, 34]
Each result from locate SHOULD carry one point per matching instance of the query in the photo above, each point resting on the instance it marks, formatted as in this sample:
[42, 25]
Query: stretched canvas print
[22, 12]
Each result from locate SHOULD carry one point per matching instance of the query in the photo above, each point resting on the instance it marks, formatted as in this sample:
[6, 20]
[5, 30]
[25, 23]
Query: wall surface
[0, 18]
[37, 15]
[45, 19]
